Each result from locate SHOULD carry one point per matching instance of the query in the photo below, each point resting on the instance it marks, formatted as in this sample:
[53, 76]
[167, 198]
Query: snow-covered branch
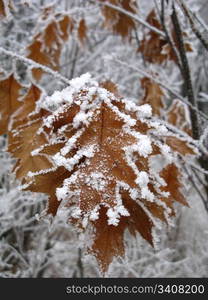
[34, 64]
[131, 15]
[162, 84]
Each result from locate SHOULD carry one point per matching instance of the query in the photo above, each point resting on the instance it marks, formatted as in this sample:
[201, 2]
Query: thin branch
[200, 21]
[200, 180]
[67, 63]
[164, 85]
[168, 37]
[186, 137]
[198, 169]
[74, 61]
[35, 65]
[204, 200]
[192, 23]
[19, 255]
[131, 15]
[186, 73]
[80, 264]
[204, 137]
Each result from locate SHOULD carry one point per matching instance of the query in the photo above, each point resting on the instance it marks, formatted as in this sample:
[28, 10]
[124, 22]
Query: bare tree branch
[186, 74]
[192, 23]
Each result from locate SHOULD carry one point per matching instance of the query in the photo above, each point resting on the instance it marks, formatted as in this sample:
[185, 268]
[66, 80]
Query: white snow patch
[76, 213]
[142, 179]
[94, 215]
[97, 181]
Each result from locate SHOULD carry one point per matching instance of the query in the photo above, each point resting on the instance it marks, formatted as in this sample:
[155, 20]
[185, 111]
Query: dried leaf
[9, 103]
[179, 145]
[5, 7]
[2, 9]
[82, 31]
[153, 95]
[152, 44]
[91, 153]
[27, 107]
[172, 177]
[111, 87]
[109, 242]
[23, 137]
[178, 115]
[48, 183]
[156, 49]
[99, 170]
[47, 45]
[22, 142]
[118, 22]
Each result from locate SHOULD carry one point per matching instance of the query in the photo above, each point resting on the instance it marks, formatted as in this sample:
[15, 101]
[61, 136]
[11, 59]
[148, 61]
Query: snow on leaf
[90, 151]
[111, 87]
[104, 148]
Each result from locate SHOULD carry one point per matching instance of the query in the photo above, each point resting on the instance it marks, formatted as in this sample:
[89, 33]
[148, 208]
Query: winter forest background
[148, 52]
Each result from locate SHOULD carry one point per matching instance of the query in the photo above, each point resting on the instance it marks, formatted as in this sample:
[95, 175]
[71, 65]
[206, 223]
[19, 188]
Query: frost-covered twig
[183, 135]
[204, 136]
[164, 85]
[18, 254]
[188, 14]
[204, 200]
[186, 72]
[197, 168]
[168, 36]
[35, 65]
[132, 16]
[201, 22]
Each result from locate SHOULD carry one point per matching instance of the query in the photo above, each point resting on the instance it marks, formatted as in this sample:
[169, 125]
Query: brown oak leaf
[118, 22]
[9, 101]
[82, 31]
[91, 150]
[154, 95]
[47, 45]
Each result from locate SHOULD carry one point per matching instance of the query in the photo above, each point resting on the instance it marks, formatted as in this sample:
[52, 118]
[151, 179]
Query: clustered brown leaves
[118, 22]
[156, 49]
[177, 114]
[47, 45]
